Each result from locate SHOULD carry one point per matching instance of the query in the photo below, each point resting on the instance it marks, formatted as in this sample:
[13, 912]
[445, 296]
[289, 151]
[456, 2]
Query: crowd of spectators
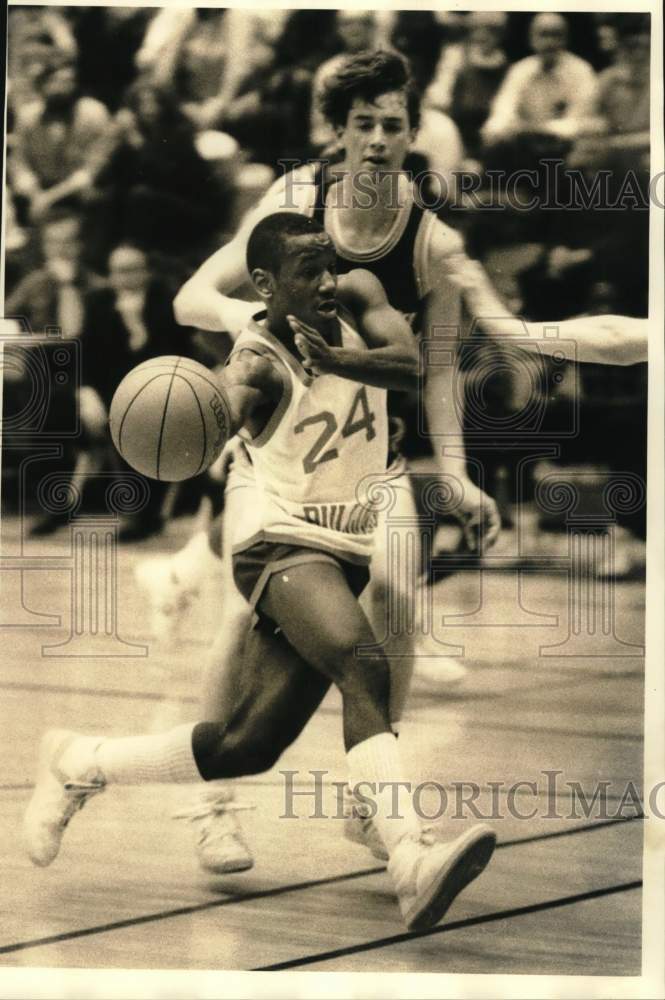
[136, 136]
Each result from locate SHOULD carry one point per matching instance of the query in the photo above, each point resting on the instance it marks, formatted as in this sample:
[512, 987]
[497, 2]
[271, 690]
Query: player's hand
[479, 514]
[316, 352]
[220, 468]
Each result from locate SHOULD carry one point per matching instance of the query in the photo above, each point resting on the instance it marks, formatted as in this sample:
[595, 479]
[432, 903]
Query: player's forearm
[201, 306]
[383, 367]
[602, 340]
[444, 407]
[240, 401]
[204, 300]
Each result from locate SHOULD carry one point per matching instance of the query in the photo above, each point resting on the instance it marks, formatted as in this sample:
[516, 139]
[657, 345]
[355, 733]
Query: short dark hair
[368, 75]
[266, 244]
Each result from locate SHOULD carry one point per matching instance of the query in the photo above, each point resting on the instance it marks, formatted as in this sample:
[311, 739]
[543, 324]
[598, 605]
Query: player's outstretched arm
[600, 340]
[609, 340]
[391, 361]
[252, 387]
[444, 395]
[205, 301]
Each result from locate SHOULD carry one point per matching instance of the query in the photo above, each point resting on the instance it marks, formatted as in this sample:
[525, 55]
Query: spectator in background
[206, 55]
[108, 40]
[468, 76]
[544, 102]
[157, 190]
[53, 295]
[270, 119]
[418, 36]
[356, 31]
[607, 41]
[35, 36]
[124, 323]
[618, 144]
[60, 144]
[623, 89]
[437, 147]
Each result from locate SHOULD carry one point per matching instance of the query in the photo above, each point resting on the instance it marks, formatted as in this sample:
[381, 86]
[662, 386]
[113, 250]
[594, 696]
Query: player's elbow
[184, 305]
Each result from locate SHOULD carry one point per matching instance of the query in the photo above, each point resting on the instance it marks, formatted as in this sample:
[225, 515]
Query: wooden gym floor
[561, 895]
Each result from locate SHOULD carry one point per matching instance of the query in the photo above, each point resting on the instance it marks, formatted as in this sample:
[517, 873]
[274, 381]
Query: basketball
[169, 419]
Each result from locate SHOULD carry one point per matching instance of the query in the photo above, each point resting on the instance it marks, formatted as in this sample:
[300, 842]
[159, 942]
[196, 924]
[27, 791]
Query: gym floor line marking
[100, 692]
[183, 911]
[518, 911]
[553, 731]
[585, 828]
[156, 696]
[267, 893]
[430, 699]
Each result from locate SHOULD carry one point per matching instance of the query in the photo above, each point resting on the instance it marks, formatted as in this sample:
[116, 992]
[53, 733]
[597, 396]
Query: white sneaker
[429, 875]
[220, 845]
[57, 796]
[168, 595]
[360, 828]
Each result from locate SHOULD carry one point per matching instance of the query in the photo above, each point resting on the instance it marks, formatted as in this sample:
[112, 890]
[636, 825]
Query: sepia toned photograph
[331, 484]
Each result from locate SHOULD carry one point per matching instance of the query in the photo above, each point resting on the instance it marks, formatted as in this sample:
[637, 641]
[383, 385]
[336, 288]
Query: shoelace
[213, 808]
[206, 811]
[78, 793]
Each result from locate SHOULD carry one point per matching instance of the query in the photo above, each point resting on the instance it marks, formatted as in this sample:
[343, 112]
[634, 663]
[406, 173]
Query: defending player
[301, 566]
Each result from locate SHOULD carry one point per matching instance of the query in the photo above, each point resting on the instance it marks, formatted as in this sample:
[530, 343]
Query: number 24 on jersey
[359, 419]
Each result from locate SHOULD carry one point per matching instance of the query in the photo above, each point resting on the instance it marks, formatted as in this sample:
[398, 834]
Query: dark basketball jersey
[396, 267]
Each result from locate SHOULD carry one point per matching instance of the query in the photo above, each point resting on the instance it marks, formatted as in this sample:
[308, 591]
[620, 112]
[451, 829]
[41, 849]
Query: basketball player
[374, 109]
[300, 565]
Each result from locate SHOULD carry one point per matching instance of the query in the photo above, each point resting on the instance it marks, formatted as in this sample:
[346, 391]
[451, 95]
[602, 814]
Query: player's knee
[260, 753]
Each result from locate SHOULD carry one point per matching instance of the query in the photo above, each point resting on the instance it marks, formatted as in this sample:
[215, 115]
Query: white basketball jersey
[313, 461]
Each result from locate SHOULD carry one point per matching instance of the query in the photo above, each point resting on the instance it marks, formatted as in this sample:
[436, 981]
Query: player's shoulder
[443, 241]
[358, 288]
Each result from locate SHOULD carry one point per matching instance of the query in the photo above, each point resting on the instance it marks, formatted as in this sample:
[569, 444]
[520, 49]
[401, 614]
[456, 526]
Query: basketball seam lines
[130, 404]
[161, 429]
[203, 425]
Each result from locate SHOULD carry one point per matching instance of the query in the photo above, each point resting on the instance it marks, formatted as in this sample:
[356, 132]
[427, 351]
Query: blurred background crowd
[138, 137]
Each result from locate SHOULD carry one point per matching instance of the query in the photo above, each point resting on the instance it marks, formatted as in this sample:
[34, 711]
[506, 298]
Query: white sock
[377, 760]
[196, 560]
[166, 758]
